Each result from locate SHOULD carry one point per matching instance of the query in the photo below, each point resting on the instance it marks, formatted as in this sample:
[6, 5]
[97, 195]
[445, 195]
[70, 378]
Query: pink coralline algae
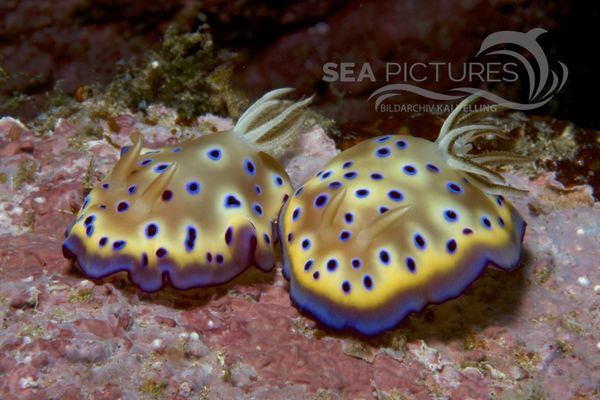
[532, 333]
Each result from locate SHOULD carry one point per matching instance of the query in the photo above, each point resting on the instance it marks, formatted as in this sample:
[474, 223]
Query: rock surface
[533, 333]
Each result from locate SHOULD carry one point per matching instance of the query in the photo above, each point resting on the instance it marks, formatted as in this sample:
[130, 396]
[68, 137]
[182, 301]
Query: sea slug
[194, 214]
[397, 222]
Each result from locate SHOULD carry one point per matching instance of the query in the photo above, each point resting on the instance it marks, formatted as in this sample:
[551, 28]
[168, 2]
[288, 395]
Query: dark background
[276, 44]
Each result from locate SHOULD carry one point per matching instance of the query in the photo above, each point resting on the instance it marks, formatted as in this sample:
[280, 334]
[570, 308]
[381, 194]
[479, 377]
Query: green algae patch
[81, 296]
[153, 389]
[15, 100]
[187, 74]
[25, 173]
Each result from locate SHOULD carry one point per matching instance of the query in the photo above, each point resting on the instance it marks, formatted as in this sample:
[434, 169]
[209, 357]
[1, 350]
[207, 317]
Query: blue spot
[152, 152]
[89, 220]
[409, 170]
[467, 231]
[193, 187]
[383, 139]
[86, 202]
[395, 195]
[122, 206]
[160, 168]
[486, 222]
[102, 206]
[214, 154]
[190, 239]
[299, 191]
[131, 189]
[383, 209]
[332, 264]
[209, 257]
[102, 242]
[368, 282]
[384, 257]
[346, 287]
[232, 202]
[146, 161]
[89, 231]
[376, 176]
[219, 258]
[229, 236]
[176, 149]
[450, 216]
[278, 180]
[383, 152]
[349, 218]
[350, 175]
[345, 235]
[249, 167]
[362, 193]
[308, 265]
[420, 242]
[105, 186]
[321, 200]
[257, 189]
[454, 187]
[500, 200]
[144, 260]
[118, 245]
[335, 185]
[433, 168]
[258, 210]
[451, 246]
[267, 238]
[124, 150]
[151, 230]
[296, 214]
[347, 164]
[316, 275]
[318, 174]
[167, 195]
[401, 144]
[325, 175]
[161, 252]
[290, 237]
[501, 222]
[356, 263]
[410, 264]
[305, 244]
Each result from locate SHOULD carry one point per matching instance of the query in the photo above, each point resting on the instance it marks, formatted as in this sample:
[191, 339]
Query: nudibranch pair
[397, 222]
[195, 214]
[388, 226]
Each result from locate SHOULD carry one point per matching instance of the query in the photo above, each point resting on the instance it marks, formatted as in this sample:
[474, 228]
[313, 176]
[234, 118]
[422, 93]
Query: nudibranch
[194, 214]
[397, 222]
